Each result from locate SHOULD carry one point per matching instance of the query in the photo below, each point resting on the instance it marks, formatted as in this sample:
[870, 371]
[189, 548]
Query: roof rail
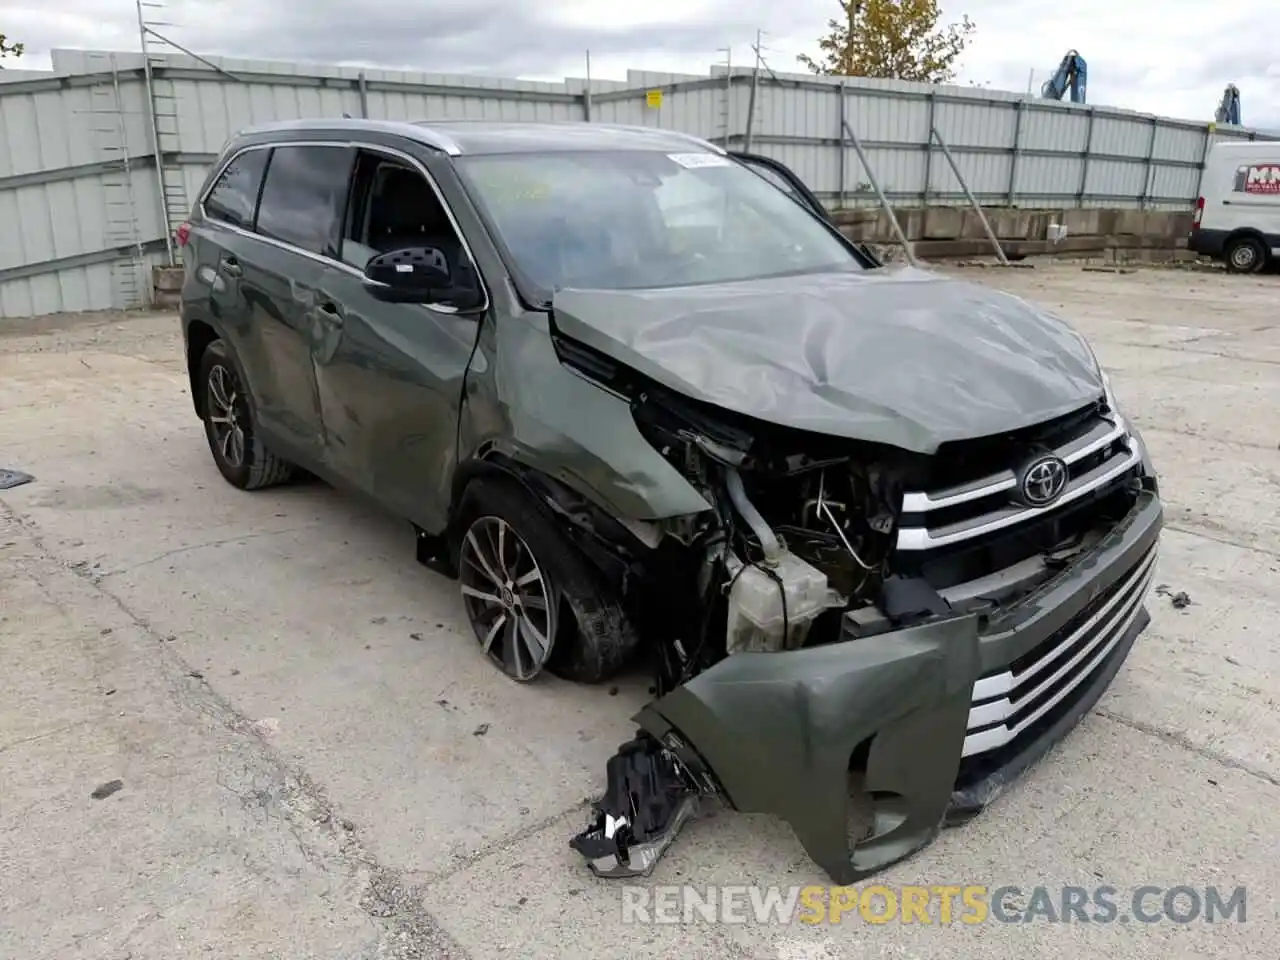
[423, 134]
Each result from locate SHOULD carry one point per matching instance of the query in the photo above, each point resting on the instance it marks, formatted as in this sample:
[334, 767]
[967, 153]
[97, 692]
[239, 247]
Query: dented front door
[390, 376]
[777, 732]
[390, 381]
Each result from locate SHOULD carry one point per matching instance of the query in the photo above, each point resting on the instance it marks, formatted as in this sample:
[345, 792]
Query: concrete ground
[315, 761]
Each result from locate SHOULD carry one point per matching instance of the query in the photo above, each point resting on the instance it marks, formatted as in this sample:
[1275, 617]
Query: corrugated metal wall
[78, 233]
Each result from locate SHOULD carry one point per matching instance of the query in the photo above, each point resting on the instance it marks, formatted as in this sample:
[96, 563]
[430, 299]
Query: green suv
[643, 399]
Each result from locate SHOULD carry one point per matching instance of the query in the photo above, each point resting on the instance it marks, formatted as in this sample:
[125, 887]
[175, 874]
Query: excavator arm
[1229, 107]
[1071, 76]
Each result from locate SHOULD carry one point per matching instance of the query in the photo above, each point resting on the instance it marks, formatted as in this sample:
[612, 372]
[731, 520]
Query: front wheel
[532, 599]
[509, 598]
[229, 424]
[1246, 255]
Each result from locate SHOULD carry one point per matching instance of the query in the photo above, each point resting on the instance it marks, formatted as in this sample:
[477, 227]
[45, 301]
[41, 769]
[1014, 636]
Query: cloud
[1172, 57]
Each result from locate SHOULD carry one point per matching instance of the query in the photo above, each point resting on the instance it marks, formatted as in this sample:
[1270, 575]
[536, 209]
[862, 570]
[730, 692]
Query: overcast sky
[1171, 57]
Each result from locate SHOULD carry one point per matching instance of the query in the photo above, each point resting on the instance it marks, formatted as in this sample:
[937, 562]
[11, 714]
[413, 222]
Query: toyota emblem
[1042, 481]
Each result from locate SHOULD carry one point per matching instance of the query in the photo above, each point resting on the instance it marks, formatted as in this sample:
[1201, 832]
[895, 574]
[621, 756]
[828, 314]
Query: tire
[589, 637]
[245, 463]
[1245, 255]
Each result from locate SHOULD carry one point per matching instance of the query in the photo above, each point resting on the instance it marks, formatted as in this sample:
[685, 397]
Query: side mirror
[417, 275]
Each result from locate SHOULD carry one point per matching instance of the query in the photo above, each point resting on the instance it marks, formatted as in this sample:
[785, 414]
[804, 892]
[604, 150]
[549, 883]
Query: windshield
[619, 220]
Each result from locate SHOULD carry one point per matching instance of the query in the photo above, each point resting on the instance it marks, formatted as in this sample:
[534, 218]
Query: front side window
[235, 194]
[304, 196]
[393, 207]
[620, 220]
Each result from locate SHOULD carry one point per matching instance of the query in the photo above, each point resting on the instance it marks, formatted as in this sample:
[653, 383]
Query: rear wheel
[1245, 255]
[238, 451]
[532, 600]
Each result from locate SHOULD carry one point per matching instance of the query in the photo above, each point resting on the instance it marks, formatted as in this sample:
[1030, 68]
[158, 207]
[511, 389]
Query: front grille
[1008, 704]
[959, 463]
[1098, 451]
[969, 528]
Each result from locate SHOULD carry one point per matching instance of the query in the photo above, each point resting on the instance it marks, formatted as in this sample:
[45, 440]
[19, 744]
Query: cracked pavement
[317, 763]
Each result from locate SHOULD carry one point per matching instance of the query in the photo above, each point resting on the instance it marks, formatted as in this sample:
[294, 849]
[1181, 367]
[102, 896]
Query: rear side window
[304, 196]
[235, 194]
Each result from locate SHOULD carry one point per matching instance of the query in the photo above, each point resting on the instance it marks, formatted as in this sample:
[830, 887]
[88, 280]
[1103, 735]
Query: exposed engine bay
[797, 536]
[797, 552]
[802, 531]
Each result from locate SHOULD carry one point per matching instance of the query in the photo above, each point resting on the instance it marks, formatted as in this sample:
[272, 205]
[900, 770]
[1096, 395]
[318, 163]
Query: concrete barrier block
[971, 224]
[1130, 223]
[943, 223]
[856, 216]
[1039, 225]
[1082, 223]
[882, 232]
[946, 232]
[1166, 223]
[913, 224]
[167, 279]
[1012, 224]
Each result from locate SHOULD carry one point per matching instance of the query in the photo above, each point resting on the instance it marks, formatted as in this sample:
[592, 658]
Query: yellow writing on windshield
[503, 187]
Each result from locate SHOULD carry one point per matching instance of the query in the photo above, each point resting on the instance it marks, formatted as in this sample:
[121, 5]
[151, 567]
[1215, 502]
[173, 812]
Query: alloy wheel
[228, 415]
[508, 598]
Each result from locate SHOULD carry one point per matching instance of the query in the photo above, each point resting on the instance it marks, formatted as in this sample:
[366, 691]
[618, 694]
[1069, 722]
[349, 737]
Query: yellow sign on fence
[654, 99]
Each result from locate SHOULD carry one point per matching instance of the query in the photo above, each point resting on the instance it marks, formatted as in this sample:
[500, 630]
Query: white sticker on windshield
[692, 161]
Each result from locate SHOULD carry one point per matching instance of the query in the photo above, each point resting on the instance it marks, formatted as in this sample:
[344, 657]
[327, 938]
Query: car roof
[460, 137]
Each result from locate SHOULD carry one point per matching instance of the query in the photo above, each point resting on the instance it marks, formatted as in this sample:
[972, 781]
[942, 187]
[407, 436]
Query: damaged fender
[774, 732]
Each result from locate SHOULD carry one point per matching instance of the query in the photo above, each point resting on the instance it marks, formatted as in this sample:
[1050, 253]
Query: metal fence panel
[82, 229]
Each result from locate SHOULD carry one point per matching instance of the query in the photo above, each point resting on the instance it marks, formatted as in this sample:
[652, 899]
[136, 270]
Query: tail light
[183, 233]
[1199, 211]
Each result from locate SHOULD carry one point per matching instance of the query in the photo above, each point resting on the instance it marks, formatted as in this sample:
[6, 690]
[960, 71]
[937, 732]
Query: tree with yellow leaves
[8, 49]
[891, 39]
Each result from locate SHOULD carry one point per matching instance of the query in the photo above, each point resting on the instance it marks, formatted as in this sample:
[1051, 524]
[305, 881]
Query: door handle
[231, 266]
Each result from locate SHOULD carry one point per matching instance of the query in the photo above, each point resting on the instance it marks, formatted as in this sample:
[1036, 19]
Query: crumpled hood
[901, 356]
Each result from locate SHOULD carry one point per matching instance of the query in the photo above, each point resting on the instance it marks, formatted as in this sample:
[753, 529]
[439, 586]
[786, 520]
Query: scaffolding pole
[728, 93]
[751, 101]
[884, 201]
[986, 224]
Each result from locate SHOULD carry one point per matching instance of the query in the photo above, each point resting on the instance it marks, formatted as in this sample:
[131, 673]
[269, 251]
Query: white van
[1238, 211]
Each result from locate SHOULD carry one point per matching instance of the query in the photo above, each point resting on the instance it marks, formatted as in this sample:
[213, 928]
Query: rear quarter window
[235, 193]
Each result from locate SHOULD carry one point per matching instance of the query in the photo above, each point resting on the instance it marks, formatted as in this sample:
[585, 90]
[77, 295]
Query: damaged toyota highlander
[884, 535]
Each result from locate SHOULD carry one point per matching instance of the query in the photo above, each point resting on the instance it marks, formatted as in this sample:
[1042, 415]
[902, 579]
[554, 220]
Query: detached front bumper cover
[775, 732]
